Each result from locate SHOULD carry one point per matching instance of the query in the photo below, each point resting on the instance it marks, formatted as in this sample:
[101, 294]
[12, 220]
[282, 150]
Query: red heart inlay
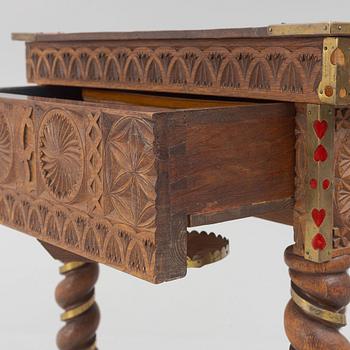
[320, 128]
[319, 242]
[320, 154]
[313, 183]
[325, 184]
[318, 216]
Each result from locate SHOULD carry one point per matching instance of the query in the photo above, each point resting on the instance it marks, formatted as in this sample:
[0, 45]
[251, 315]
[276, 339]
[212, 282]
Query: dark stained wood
[226, 161]
[326, 286]
[287, 69]
[263, 210]
[74, 291]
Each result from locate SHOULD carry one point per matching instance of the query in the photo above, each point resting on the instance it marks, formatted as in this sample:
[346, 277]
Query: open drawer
[118, 179]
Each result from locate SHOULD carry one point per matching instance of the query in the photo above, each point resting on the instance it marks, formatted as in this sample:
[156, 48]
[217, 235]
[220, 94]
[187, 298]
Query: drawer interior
[124, 97]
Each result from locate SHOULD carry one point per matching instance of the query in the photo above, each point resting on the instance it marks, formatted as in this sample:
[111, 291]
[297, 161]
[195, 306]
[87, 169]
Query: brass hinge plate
[324, 29]
[334, 88]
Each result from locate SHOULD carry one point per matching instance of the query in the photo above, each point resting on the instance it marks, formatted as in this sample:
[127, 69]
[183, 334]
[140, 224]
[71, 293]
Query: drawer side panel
[233, 162]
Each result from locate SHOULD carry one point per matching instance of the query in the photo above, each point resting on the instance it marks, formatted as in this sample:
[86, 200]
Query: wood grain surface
[118, 183]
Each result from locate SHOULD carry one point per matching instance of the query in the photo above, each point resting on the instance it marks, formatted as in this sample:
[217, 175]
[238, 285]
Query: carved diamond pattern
[94, 157]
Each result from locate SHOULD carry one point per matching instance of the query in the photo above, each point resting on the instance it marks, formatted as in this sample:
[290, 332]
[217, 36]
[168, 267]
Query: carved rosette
[61, 155]
[6, 153]
[131, 174]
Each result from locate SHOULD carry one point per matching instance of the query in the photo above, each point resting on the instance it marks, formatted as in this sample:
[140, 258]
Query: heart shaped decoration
[319, 242]
[325, 184]
[313, 184]
[320, 128]
[318, 216]
[320, 154]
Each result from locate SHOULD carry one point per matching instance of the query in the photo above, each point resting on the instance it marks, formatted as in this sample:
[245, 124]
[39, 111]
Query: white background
[235, 304]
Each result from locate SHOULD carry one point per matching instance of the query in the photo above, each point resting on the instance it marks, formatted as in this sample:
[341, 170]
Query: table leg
[316, 312]
[319, 259]
[76, 295]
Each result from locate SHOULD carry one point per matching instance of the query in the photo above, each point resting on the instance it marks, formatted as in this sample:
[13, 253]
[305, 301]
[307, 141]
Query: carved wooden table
[128, 139]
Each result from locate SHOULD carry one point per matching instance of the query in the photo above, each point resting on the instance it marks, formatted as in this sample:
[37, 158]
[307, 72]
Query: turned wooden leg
[320, 293]
[76, 295]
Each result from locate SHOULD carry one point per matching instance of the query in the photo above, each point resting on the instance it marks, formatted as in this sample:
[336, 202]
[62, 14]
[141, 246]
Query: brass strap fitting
[70, 266]
[77, 311]
[336, 318]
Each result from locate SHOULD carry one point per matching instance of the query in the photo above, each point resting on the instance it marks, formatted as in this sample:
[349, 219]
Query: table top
[310, 29]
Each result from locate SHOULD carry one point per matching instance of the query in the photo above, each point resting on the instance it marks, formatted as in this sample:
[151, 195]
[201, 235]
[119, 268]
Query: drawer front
[83, 178]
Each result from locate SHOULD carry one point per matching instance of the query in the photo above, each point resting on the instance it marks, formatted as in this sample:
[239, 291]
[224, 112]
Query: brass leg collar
[336, 318]
[71, 266]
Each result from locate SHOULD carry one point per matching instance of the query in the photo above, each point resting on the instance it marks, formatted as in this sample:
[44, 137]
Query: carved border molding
[271, 71]
[94, 238]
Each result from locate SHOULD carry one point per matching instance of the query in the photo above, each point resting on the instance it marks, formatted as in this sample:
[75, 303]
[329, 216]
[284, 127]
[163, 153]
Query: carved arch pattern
[91, 237]
[272, 69]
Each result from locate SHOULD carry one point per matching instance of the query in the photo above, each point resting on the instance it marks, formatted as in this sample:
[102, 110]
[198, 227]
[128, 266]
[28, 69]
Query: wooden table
[128, 139]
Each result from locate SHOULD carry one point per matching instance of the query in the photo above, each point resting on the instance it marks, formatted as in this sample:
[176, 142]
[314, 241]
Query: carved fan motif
[131, 173]
[61, 155]
[5, 149]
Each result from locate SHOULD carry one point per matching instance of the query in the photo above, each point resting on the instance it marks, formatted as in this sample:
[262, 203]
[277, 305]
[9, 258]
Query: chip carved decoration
[301, 178]
[61, 155]
[96, 238]
[94, 146]
[6, 148]
[130, 174]
[225, 69]
[342, 179]
[27, 149]
[97, 173]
